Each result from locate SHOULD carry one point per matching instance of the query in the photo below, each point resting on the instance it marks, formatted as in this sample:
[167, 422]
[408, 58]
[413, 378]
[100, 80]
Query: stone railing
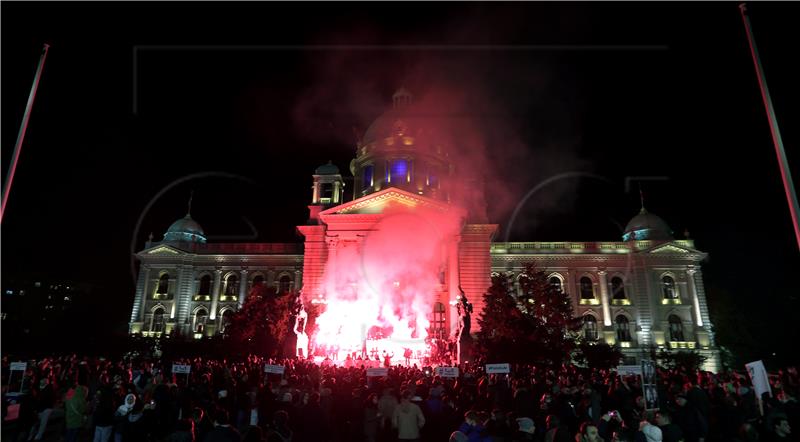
[560, 247]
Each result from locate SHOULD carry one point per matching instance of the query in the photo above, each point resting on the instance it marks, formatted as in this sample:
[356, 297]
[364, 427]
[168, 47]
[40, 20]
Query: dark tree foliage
[264, 322]
[535, 327]
[598, 355]
[686, 361]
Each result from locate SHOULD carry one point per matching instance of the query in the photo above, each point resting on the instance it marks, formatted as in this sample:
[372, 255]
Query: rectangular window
[399, 171]
[369, 173]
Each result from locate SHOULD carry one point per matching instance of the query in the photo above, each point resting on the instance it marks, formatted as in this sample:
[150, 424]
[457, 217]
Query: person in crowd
[588, 433]
[407, 418]
[670, 432]
[75, 410]
[223, 431]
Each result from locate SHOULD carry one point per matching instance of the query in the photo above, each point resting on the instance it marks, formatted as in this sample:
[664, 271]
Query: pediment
[671, 249]
[385, 200]
[162, 250]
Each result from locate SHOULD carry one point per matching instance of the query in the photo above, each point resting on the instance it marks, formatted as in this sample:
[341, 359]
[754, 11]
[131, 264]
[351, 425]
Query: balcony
[621, 302]
[162, 296]
[201, 298]
[228, 298]
[671, 301]
[682, 345]
[592, 301]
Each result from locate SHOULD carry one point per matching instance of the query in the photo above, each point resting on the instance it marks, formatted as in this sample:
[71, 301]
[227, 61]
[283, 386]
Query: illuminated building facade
[646, 290]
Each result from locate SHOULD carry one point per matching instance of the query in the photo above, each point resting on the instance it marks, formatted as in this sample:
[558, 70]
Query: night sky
[252, 97]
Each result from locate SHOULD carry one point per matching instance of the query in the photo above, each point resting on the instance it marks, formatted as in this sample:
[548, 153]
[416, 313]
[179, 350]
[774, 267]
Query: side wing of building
[191, 288]
[635, 294]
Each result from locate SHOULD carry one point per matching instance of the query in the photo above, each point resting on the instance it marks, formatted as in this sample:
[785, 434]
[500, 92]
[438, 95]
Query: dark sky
[257, 91]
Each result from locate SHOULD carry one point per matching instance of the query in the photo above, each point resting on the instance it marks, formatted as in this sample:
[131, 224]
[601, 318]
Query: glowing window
[675, 328]
[157, 324]
[587, 288]
[623, 329]
[438, 323]
[232, 285]
[200, 320]
[617, 288]
[399, 171]
[555, 281]
[369, 176]
[590, 328]
[668, 287]
[163, 284]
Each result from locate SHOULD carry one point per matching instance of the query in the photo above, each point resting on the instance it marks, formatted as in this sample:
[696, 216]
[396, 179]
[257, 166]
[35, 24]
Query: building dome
[185, 229]
[646, 225]
[327, 169]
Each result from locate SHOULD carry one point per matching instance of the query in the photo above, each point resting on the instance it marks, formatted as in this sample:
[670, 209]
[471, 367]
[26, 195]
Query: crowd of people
[138, 399]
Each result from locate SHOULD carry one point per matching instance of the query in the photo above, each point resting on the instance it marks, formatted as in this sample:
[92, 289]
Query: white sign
[629, 370]
[498, 368]
[274, 369]
[178, 368]
[377, 372]
[447, 372]
[18, 366]
[759, 378]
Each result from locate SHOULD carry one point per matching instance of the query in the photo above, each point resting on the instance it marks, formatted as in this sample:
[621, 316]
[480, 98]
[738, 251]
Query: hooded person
[526, 429]
[651, 432]
[122, 414]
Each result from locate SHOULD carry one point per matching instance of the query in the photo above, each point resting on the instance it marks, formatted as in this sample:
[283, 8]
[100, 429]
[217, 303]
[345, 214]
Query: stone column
[298, 280]
[242, 287]
[141, 293]
[337, 192]
[148, 288]
[212, 315]
[698, 318]
[604, 298]
[315, 191]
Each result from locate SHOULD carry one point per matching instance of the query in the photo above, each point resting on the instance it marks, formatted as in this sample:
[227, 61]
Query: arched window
[284, 284]
[200, 318]
[668, 285]
[590, 327]
[438, 324]
[587, 288]
[675, 328]
[258, 281]
[157, 324]
[232, 285]
[225, 321]
[205, 286]
[617, 288]
[555, 281]
[623, 328]
[163, 284]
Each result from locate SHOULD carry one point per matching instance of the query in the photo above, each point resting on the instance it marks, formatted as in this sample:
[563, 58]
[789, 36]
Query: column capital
[602, 271]
[691, 270]
[244, 270]
[218, 270]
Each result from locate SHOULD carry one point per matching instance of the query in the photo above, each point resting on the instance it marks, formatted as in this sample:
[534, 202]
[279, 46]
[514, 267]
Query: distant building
[33, 300]
[645, 290]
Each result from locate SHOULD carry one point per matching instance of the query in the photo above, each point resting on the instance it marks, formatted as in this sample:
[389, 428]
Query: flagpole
[25, 118]
[788, 184]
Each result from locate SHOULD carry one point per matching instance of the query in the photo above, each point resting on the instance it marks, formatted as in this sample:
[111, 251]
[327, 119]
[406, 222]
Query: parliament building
[642, 291]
